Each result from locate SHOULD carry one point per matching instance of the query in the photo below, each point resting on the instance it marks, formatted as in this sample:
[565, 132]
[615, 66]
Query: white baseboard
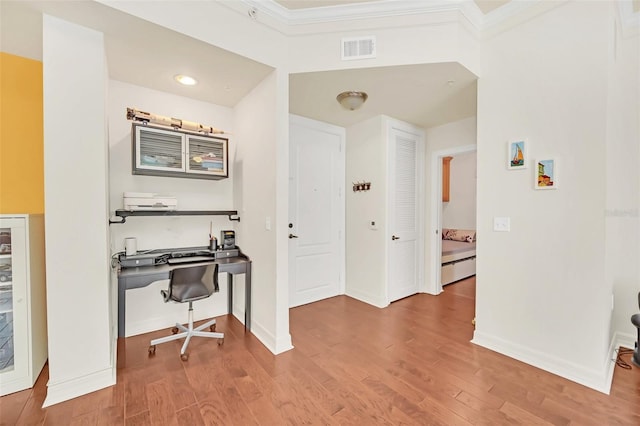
[617, 341]
[599, 380]
[625, 340]
[378, 302]
[63, 391]
[275, 346]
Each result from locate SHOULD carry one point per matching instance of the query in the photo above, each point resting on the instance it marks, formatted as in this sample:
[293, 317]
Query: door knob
[393, 237]
[292, 236]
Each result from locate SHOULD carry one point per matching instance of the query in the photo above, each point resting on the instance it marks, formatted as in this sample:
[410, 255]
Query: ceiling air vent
[358, 48]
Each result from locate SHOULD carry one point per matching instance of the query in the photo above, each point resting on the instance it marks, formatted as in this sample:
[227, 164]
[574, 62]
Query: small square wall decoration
[517, 154]
[547, 174]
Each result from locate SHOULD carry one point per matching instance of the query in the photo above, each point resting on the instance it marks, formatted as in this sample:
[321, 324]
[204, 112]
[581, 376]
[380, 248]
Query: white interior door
[316, 211]
[405, 212]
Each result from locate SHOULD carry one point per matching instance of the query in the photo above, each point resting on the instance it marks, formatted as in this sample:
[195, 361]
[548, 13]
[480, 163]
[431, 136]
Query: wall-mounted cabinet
[173, 153]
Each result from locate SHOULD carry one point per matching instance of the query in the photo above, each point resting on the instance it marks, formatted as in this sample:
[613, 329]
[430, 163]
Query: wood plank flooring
[353, 364]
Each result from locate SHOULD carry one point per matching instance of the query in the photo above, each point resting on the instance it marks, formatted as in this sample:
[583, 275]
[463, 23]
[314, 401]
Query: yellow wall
[21, 135]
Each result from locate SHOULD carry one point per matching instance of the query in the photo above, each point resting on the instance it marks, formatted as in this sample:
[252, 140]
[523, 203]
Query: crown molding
[293, 21]
[363, 11]
[514, 13]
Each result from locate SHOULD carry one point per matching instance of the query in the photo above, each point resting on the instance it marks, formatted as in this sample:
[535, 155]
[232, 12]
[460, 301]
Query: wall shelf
[232, 214]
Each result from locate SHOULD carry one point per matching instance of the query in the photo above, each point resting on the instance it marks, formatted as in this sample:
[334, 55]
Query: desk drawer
[223, 254]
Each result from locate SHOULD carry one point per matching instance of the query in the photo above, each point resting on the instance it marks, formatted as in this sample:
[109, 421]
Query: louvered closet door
[403, 214]
[157, 149]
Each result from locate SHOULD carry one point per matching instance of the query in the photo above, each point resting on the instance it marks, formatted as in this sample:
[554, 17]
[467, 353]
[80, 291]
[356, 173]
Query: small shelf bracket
[123, 220]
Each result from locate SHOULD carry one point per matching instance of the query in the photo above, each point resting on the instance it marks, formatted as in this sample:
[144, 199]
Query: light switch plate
[502, 224]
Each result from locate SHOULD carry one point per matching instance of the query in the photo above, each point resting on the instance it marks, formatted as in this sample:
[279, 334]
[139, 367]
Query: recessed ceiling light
[186, 80]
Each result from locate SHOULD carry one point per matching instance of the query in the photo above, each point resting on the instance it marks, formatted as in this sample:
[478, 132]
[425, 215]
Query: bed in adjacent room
[458, 254]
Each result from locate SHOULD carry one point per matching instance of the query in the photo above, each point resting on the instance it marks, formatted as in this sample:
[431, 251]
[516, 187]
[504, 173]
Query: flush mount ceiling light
[352, 100]
[185, 79]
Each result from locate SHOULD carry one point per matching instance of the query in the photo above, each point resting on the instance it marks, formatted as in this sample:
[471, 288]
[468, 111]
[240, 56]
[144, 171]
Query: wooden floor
[410, 363]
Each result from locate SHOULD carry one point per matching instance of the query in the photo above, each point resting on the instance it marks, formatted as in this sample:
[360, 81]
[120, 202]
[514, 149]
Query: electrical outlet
[502, 224]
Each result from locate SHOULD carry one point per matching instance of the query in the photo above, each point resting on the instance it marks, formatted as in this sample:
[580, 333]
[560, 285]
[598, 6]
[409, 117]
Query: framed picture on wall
[517, 154]
[546, 176]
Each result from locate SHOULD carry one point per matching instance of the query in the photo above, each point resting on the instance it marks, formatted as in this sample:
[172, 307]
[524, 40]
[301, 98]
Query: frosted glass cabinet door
[14, 346]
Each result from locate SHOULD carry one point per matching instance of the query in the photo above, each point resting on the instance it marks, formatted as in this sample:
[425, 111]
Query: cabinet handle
[393, 237]
[292, 236]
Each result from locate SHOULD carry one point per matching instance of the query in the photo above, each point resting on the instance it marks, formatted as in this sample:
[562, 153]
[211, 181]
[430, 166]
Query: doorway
[434, 284]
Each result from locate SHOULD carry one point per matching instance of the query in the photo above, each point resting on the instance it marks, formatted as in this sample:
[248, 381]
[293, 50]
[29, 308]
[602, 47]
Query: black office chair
[635, 320]
[188, 284]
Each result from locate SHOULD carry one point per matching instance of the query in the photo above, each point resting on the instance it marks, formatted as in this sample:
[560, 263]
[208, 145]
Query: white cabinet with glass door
[23, 326]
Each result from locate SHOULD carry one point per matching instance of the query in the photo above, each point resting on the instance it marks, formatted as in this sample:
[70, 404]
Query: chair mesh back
[193, 282]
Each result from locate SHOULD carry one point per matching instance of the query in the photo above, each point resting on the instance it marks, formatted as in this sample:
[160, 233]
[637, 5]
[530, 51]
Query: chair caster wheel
[212, 327]
[220, 342]
[174, 330]
[184, 357]
[152, 350]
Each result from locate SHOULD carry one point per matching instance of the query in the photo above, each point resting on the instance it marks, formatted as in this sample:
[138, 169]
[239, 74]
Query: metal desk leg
[247, 298]
[122, 299]
[230, 292]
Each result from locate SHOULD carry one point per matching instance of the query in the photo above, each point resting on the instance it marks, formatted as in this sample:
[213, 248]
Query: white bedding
[457, 250]
[458, 261]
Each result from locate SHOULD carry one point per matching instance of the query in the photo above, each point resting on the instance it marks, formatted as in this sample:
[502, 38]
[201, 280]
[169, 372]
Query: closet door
[404, 198]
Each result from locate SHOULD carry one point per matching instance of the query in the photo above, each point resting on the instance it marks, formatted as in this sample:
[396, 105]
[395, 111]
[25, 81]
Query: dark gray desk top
[224, 264]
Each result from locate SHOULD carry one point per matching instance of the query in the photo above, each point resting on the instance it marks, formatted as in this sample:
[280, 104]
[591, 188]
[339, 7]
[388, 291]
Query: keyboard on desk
[188, 259]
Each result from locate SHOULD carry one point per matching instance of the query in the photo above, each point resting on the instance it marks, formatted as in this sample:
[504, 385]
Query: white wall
[451, 135]
[145, 310]
[366, 156]
[214, 22]
[406, 39]
[460, 211]
[255, 190]
[623, 183]
[76, 211]
[542, 296]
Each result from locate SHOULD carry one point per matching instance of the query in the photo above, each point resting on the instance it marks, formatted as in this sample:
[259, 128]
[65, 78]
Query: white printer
[148, 201]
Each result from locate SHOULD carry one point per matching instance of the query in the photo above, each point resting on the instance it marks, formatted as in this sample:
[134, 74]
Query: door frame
[340, 177]
[434, 284]
[393, 124]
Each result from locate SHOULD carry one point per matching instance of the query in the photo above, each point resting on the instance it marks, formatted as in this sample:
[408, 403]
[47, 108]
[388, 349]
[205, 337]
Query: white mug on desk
[130, 246]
